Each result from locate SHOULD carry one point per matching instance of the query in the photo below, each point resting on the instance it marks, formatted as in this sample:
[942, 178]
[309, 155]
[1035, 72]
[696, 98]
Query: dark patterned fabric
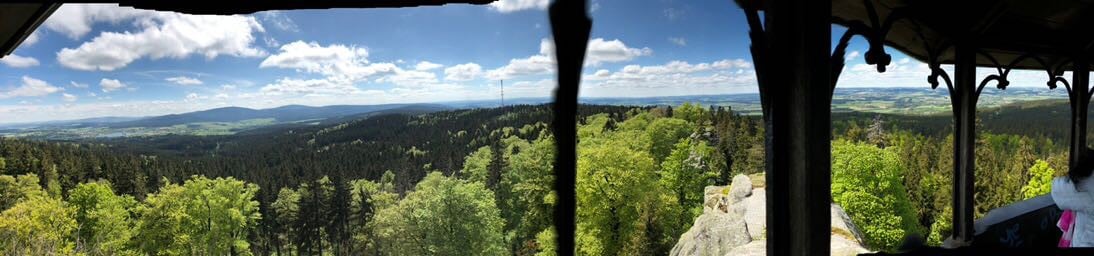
[1035, 229]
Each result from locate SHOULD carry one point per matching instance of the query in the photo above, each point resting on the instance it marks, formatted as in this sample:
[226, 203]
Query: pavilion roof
[1053, 31]
[17, 21]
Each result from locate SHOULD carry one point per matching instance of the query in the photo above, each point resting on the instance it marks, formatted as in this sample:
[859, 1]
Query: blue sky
[105, 60]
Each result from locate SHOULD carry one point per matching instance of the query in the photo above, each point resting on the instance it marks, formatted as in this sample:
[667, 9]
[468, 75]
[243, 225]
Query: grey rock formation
[756, 213]
[740, 188]
[716, 199]
[840, 221]
[758, 247]
[840, 247]
[733, 223]
[713, 234]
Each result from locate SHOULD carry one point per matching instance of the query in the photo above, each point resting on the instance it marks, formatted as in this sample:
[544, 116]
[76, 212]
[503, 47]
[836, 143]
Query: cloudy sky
[105, 60]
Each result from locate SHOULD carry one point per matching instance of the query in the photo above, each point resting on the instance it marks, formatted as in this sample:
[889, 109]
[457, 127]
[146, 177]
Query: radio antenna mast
[502, 83]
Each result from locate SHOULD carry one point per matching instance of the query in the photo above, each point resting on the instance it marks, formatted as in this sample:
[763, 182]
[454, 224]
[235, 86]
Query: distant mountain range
[288, 113]
[231, 120]
[283, 114]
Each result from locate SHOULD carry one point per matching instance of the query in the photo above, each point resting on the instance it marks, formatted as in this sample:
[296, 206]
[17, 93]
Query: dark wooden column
[791, 53]
[570, 25]
[963, 98]
[1080, 100]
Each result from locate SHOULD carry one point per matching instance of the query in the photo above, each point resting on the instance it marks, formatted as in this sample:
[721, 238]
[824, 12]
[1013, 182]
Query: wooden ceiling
[17, 21]
[1054, 31]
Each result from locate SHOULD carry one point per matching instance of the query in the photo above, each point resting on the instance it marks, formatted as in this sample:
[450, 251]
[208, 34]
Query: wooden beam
[963, 100]
[793, 67]
[27, 27]
[570, 26]
[1079, 101]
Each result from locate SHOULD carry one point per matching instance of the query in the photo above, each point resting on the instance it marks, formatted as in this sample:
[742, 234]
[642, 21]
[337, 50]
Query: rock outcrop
[740, 188]
[722, 225]
[756, 213]
[733, 221]
[713, 235]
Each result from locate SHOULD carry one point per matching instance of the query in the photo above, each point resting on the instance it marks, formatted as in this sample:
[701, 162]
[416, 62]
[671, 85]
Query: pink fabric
[1067, 225]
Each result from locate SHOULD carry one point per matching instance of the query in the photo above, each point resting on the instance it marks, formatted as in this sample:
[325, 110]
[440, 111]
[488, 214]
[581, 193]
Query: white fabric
[1081, 201]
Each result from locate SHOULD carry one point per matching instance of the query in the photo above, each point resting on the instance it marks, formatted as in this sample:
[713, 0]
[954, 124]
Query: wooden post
[1080, 101]
[791, 53]
[963, 100]
[570, 25]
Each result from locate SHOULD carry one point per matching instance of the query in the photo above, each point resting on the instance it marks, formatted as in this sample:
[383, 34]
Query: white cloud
[75, 20]
[311, 57]
[425, 65]
[906, 72]
[109, 85]
[851, 55]
[271, 42]
[160, 35]
[672, 78]
[899, 73]
[594, 7]
[309, 87]
[463, 72]
[68, 97]
[678, 41]
[534, 65]
[183, 80]
[539, 64]
[17, 61]
[734, 63]
[507, 6]
[674, 14]
[31, 87]
[279, 20]
[77, 85]
[344, 62]
[343, 67]
[600, 51]
[602, 73]
[31, 39]
[410, 78]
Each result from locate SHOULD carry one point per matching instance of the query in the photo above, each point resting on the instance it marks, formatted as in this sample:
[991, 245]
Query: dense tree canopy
[404, 184]
[104, 218]
[443, 216]
[38, 225]
[201, 216]
[868, 183]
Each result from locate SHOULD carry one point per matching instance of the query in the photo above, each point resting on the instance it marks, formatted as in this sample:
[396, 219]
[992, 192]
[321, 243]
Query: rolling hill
[283, 114]
[218, 121]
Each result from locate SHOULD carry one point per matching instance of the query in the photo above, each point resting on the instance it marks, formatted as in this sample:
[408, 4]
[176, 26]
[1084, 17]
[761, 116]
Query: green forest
[478, 182]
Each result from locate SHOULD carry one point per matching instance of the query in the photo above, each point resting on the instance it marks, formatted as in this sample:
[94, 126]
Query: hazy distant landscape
[232, 120]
